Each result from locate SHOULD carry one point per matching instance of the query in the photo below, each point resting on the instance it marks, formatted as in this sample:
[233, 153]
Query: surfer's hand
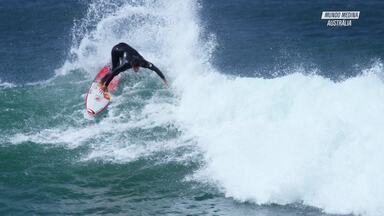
[166, 83]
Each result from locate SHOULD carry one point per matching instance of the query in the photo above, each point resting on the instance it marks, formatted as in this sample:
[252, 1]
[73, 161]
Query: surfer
[125, 57]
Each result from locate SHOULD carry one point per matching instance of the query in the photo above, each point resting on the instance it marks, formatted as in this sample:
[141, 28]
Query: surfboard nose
[91, 112]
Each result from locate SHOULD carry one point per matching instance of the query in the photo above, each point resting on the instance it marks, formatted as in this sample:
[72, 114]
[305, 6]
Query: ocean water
[269, 110]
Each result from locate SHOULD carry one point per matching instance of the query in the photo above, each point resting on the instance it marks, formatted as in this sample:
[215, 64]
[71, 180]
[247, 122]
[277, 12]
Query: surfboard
[96, 100]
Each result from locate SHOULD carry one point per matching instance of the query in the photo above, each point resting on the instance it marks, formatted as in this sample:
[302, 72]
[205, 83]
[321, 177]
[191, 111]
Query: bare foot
[103, 87]
[106, 95]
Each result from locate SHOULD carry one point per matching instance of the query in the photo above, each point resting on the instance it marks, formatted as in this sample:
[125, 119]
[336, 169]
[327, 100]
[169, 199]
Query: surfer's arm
[152, 67]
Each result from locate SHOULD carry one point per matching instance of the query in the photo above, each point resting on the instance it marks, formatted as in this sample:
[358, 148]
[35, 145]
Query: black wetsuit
[125, 57]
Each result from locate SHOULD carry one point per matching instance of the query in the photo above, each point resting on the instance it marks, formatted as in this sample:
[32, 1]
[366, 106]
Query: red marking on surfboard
[113, 84]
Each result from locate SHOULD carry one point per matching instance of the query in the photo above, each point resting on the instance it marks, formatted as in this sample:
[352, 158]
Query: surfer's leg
[109, 77]
[116, 54]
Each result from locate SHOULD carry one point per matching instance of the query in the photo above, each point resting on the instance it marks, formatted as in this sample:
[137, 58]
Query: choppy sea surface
[269, 110]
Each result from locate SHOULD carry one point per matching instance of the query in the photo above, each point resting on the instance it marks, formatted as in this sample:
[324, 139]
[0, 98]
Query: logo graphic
[340, 18]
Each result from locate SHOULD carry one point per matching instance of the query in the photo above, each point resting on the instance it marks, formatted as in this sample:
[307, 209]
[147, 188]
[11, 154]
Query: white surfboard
[96, 101]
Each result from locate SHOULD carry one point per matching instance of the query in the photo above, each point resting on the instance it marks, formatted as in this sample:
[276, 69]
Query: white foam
[4, 85]
[294, 138]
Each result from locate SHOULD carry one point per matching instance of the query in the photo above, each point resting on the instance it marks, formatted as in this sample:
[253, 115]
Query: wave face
[296, 140]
